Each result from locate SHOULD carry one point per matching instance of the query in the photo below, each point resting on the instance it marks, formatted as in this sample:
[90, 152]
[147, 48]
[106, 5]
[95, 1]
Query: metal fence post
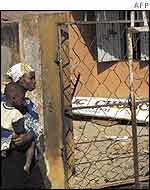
[133, 110]
[64, 65]
[64, 153]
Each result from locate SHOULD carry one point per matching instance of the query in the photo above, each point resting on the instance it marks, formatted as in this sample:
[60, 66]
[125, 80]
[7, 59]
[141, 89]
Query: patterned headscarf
[18, 70]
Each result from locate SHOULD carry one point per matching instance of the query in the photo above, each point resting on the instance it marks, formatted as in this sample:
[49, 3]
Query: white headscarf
[18, 70]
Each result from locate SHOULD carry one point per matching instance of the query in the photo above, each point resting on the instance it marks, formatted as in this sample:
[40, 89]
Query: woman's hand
[22, 139]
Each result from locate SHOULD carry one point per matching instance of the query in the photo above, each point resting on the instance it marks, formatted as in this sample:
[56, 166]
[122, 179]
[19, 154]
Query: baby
[13, 122]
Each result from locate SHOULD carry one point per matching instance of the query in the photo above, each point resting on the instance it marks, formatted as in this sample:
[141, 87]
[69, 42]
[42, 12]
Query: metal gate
[105, 107]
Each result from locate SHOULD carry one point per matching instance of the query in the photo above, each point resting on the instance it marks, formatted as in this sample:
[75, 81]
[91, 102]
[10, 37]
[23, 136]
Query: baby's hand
[14, 135]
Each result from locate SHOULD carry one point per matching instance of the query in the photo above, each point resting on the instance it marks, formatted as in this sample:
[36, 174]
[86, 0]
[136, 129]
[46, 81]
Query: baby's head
[15, 94]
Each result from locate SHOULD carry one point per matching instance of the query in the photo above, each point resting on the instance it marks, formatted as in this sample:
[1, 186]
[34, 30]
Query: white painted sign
[111, 111]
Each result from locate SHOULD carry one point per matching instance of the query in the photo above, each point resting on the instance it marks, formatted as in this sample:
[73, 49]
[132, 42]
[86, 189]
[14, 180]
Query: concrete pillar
[38, 47]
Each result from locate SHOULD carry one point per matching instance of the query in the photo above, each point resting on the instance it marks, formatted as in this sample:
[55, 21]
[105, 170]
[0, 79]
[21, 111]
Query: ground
[104, 153]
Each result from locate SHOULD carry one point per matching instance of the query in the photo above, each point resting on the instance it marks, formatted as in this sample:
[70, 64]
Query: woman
[12, 174]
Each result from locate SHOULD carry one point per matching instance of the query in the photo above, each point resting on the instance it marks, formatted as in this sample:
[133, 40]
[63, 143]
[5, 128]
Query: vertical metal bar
[144, 18]
[62, 104]
[133, 110]
[97, 16]
[126, 15]
[132, 18]
[85, 16]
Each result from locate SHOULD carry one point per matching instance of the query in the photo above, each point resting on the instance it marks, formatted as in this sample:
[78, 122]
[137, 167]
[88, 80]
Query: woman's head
[24, 75]
[28, 81]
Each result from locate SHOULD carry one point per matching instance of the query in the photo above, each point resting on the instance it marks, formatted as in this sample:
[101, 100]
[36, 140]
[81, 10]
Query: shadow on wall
[38, 178]
[101, 67]
[143, 64]
[117, 33]
[9, 35]
[9, 47]
[42, 166]
[88, 33]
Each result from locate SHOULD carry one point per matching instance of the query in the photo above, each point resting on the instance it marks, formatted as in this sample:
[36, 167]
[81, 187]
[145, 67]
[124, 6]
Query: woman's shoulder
[32, 109]
[29, 102]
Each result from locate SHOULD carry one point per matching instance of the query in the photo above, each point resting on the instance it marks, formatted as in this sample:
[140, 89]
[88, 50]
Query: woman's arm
[32, 118]
[23, 139]
[33, 127]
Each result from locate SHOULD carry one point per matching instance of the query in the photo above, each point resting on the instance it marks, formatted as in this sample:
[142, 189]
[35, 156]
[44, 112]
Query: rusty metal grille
[99, 149]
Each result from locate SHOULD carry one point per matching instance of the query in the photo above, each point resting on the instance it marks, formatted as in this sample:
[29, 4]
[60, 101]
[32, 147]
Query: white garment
[18, 70]
[8, 116]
